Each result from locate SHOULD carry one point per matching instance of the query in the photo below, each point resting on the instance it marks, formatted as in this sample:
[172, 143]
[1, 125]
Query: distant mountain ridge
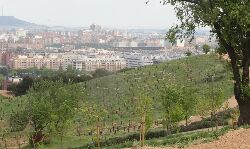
[13, 22]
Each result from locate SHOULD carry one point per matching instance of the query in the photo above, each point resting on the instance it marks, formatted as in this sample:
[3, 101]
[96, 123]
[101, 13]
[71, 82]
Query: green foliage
[229, 22]
[100, 73]
[119, 91]
[184, 139]
[189, 102]
[202, 13]
[91, 113]
[188, 53]
[220, 50]
[173, 110]
[70, 76]
[22, 87]
[1, 78]
[206, 48]
[49, 106]
[115, 100]
[180, 139]
[18, 121]
[4, 71]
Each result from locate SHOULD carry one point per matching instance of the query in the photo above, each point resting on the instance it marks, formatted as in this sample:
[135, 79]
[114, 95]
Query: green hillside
[117, 92]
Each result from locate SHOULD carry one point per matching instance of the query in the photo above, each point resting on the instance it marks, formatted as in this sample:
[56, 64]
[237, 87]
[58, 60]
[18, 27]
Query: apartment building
[138, 60]
[37, 61]
[113, 63]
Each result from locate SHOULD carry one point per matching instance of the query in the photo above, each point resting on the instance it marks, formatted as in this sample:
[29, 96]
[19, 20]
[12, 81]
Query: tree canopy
[48, 106]
[230, 22]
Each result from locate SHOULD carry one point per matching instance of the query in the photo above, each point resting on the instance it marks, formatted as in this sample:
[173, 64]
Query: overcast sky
[80, 13]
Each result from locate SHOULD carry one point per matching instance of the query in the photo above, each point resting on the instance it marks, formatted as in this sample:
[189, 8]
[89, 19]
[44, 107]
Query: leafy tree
[188, 53]
[22, 87]
[67, 77]
[196, 47]
[189, 100]
[206, 48]
[48, 105]
[172, 105]
[4, 71]
[229, 22]
[65, 105]
[1, 78]
[215, 101]
[188, 103]
[93, 114]
[101, 73]
[18, 121]
[220, 50]
[144, 110]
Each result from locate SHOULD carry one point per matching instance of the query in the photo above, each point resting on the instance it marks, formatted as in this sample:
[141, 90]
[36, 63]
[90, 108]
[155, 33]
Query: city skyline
[81, 13]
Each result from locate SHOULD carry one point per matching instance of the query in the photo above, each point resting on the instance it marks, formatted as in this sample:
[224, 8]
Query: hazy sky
[109, 13]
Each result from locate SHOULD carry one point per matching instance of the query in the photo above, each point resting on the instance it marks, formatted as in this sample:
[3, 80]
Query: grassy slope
[180, 140]
[115, 92]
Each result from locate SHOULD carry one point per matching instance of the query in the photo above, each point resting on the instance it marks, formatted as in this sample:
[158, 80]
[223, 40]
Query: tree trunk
[244, 102]
[61, 141]
[241, 81]
[186, 119]
[36, 138]
[244, 112]
[98, 134]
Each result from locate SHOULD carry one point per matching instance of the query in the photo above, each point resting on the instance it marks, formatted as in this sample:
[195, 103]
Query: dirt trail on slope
[231, 103]
[235, 139]
[5, 93]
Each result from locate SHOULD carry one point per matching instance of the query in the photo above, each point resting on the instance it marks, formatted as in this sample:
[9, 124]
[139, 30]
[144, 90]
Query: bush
[18, 122]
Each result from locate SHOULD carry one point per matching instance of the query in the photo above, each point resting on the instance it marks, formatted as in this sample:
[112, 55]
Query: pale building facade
[25, 62]
[108, 63]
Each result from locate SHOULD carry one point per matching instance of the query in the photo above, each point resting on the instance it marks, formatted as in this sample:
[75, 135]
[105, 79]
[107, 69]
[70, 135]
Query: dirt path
[5, 93]
[231, 103]
[236, 139]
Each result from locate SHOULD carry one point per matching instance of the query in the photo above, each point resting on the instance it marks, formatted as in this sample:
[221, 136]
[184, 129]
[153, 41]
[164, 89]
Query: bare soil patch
[235, 139]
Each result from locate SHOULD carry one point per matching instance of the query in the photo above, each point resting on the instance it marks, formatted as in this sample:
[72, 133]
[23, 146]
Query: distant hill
[9, 22]
[12, 21]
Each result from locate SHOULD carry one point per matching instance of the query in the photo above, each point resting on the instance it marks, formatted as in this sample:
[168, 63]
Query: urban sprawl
[92, 48]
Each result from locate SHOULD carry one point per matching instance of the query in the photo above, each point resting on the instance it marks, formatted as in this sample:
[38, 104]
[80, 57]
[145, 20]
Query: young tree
[65, 105]
[48, 105]
[172, 104]
[22, 87]
[206, 48]
[144, 109]
[100, 73]
[229, 22]
[188, 53]
[188, 103]
[94, 115]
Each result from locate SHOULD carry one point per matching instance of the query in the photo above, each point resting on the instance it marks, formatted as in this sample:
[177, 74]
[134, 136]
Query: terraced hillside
[118, 92]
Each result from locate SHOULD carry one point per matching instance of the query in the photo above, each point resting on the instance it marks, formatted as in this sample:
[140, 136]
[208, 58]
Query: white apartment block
[111, 63]
[37, 61]
[68, 58]
[79, 62]
[138, 60]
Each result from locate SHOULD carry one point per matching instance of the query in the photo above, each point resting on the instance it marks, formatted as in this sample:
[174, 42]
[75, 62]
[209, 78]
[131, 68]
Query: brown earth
[5, 93]
[235, 139]
[230, 104]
